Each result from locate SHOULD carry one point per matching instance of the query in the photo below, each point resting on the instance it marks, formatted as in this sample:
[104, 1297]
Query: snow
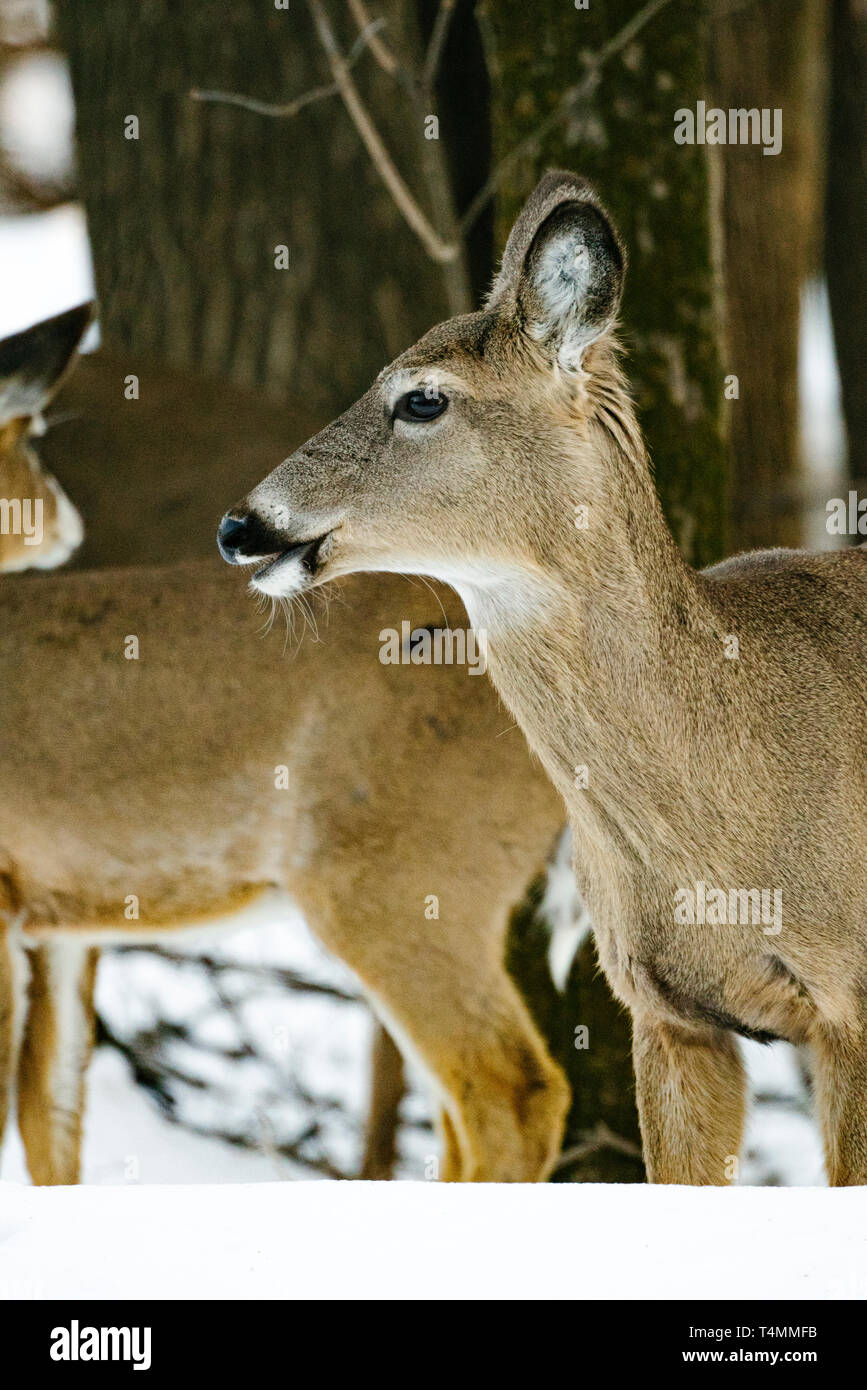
[46, 268]
[277, 1063]
[431, 1241]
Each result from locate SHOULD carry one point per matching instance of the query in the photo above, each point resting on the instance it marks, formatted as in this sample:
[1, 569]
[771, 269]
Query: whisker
[426, 582]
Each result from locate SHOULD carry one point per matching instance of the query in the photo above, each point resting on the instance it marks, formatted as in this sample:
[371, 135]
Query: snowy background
[266, 1045]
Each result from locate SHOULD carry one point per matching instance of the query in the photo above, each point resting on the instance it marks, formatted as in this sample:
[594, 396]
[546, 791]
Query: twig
[437, 43]
[571, 97]
[599, 1138]
[289, 978]
[439, 250]
[366, 39]
[381, 52]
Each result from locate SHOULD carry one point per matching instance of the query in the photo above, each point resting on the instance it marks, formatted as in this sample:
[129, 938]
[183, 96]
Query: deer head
[39, 527]
[467, 457]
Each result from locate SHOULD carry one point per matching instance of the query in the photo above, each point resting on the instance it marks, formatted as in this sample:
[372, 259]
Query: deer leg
[451, 1167]
[55, 1051]
[446, 998]
[7, 1028]
[503, 1099]
[690, 1089]
[386, 1092]
[440, 986]
[841, 1090]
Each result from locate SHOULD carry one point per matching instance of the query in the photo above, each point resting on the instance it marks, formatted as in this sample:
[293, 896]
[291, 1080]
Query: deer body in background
[214, 775]
[205, 774]
[708, 731]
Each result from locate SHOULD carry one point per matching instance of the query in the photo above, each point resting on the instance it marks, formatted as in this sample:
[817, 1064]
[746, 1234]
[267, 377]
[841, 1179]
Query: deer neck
[596, 644]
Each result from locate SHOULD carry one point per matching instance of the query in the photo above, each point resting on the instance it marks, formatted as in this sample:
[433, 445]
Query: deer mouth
[290, 569]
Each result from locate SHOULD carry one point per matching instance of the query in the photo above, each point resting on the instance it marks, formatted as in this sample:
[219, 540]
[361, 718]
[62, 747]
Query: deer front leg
[55, 1051]
[690, 1090]
[7, 1027]
[841, 1087]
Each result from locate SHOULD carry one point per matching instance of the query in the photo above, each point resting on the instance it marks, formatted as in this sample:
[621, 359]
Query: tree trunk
[659, 194]
[846, 247]
[769, 56]
[187, 218]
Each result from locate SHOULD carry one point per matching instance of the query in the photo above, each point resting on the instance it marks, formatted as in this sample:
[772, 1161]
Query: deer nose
[232, 534]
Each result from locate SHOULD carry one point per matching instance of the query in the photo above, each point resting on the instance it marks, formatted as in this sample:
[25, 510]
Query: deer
[706, 730]
[39, 526]
[213, 776]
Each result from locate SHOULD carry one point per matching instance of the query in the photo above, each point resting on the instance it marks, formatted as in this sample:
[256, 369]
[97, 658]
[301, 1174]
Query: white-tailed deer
[39, 527]
[162, 765]
[706, 730]
[210, 772]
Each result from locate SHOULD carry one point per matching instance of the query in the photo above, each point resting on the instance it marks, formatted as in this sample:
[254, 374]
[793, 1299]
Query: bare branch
[439, 250]
[366, 40]
[572, 97]
[437, 43]
[264, 108]
[381, 52]
[599, 1138]
[289, 979]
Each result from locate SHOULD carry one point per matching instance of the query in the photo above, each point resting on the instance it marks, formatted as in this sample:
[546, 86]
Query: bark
[186, 218]
[768, 56]
[603, 1119]
[660, 195]
[846, 249]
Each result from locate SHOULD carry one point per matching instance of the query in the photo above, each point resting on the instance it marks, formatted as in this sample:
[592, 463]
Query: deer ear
[32, 363]
[563, 269]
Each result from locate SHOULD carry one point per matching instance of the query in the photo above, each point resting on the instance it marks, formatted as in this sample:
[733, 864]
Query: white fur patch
[20, 979]
[66, 961]
[69, 533]
[284, 578]
[565, 913]
[563, 278]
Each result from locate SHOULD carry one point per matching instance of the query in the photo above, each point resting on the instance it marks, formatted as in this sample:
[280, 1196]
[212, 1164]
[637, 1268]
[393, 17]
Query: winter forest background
[248, 1057]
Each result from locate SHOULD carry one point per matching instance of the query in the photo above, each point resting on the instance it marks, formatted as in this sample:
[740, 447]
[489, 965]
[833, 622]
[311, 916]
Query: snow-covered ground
[271, 1065]
[432, 1241]
[278, 1064]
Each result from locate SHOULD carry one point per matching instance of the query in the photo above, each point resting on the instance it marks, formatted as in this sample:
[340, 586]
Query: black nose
[232, 533]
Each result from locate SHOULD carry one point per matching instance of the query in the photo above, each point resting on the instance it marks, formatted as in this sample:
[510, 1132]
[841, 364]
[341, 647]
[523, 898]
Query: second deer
[199, 773]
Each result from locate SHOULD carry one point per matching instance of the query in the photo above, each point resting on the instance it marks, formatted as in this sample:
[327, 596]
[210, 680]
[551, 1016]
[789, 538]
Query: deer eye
[420, 405]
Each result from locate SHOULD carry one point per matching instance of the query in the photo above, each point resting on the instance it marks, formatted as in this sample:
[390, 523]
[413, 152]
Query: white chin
[282, 578]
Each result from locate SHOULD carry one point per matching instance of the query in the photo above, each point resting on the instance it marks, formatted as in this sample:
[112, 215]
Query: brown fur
[744, 773]
[156, 777]
[50, 1114]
